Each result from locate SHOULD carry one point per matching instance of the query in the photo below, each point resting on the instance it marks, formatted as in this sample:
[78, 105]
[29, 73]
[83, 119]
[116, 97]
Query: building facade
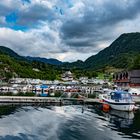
[127, 78]
[67, 76]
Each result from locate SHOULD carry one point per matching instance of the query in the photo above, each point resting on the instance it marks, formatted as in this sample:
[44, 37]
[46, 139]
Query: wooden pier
[24, 99]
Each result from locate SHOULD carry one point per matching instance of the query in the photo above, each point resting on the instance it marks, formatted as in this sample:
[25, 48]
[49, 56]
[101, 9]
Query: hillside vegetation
[120, 54]
[123, 53]
[11, 67]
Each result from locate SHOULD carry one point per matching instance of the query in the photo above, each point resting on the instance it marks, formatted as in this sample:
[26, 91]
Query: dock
[26, 99]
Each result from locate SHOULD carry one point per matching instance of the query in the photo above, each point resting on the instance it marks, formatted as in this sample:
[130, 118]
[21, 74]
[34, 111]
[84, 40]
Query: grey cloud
[95, 24]
[29, 15]
[52, 33]
[7, 7]
[83, 42]
[33, 15]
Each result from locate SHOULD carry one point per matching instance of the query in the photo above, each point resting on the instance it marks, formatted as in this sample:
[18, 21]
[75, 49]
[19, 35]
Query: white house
[67, 76]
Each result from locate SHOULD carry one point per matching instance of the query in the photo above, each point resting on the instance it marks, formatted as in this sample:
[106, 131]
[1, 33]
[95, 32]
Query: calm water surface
[67, 123]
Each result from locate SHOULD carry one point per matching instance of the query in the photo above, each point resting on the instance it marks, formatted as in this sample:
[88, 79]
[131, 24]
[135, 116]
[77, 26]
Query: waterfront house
[44, 90]
[41, 89]
[127, 78]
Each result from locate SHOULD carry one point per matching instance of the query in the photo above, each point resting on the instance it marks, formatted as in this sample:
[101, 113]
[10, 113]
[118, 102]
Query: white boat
[135, 93]
[120, 100]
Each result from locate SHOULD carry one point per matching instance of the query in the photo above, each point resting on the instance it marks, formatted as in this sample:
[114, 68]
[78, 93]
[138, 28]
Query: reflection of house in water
[67, 76]
[127, 78]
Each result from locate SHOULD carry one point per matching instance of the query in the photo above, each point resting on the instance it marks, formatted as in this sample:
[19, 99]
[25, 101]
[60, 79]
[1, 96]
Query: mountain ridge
[51, 61]
[118, 54]
[11, 53]
[125, 45]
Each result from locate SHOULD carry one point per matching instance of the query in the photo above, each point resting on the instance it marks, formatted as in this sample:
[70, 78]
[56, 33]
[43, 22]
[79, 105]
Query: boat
[103, 93]
[135, 93]
[120, 100]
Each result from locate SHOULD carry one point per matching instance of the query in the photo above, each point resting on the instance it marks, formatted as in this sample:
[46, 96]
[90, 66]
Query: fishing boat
[120, 100]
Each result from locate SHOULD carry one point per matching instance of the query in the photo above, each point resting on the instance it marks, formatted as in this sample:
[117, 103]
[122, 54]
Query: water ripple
[67, 123]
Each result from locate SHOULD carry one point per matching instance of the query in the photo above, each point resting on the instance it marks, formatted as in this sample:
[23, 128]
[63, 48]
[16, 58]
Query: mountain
[45, 60]
[14, 65]
[10, 52]
[120, 54]
[74, 65]
[123, 53]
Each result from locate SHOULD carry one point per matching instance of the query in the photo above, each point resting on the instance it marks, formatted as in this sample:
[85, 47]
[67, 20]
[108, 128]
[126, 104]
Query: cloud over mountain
[66, 29]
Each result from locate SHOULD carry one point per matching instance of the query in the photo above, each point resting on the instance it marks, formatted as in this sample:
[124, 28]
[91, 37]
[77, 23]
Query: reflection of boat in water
[122, 114]
[121, 119]
[120, 100]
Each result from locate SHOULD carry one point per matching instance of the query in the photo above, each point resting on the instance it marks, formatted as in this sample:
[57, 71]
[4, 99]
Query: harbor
[69, 70]
[95, 91]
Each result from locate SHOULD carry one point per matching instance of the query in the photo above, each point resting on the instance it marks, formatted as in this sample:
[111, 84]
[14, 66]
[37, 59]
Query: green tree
[136, 63]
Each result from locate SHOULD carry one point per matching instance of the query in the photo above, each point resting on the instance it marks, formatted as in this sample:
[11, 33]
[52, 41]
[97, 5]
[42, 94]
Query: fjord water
[74, 122]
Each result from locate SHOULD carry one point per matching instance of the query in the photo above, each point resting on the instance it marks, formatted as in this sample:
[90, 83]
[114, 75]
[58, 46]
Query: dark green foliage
[25, 94]
[7, 109]
[78, 64]
[18, 94]
[119, 54]
[58, 94]
[123, 53]
[136, 63]
[9, 52]
[45, 60]
[10, 66]
[82, 73]
[92, 95]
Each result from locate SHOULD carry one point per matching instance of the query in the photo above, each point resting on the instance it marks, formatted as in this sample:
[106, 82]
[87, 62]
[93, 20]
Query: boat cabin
[120, 95]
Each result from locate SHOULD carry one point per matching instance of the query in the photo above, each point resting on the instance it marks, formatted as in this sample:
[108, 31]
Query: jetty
[24, 99]
[57, 100]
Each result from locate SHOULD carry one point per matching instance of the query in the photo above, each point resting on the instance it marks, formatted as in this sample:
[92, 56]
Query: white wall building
[67, 76]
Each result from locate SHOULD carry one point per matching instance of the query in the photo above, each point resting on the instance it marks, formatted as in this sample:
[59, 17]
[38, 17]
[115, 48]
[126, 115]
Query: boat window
[115, 96]
[112, 95]
[126, 96]
[120, 96]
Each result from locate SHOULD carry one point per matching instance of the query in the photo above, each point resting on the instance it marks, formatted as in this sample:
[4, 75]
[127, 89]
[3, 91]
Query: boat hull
[121, 106]
[129, 107]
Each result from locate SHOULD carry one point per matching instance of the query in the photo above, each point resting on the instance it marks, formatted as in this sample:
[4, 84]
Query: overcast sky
[67, 30]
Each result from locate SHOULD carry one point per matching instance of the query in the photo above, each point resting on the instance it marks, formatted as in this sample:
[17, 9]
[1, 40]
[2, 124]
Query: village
[41, 87]
[126, 80]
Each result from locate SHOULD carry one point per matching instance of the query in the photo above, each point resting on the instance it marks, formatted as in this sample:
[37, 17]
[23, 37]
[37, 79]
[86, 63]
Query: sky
[67, 30]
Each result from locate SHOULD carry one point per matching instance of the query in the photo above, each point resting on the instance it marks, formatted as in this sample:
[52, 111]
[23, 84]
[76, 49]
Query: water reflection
[121, 119]
[67, 123]
[127, 124]
[7, 110]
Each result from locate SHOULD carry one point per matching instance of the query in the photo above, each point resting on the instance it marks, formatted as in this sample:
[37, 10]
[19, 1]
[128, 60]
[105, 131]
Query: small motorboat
[135, 93]
[120, 100]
